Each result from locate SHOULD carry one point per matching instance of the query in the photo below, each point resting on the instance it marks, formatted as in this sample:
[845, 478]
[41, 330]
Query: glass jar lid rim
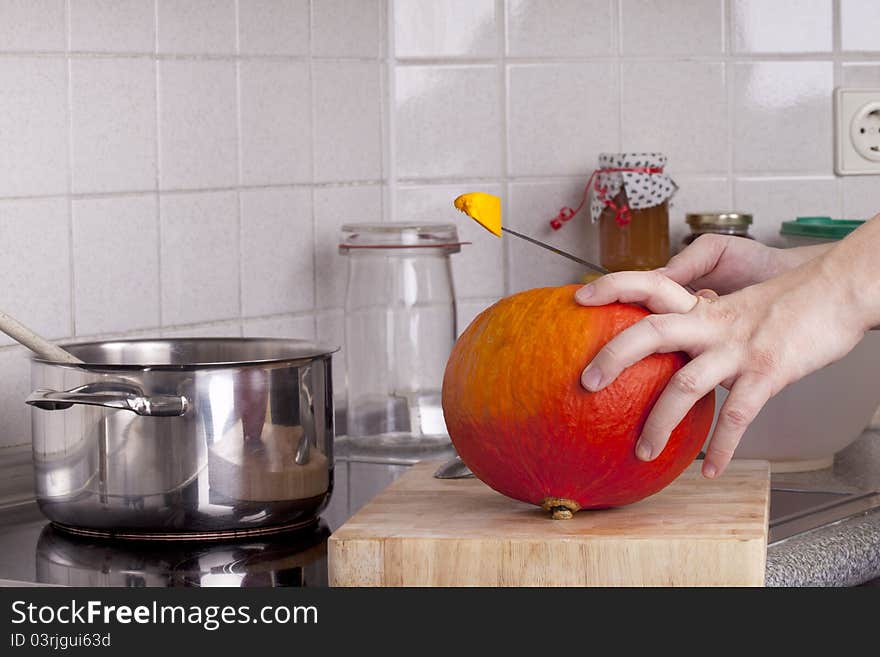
[397, 227]
[726, 218]
[399, 235]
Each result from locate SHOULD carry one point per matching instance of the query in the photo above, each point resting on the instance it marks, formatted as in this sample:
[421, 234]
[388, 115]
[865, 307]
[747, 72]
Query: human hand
[726, 263]
[753, 342]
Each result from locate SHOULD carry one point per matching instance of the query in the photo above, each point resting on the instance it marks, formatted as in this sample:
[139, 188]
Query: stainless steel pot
[176, 438]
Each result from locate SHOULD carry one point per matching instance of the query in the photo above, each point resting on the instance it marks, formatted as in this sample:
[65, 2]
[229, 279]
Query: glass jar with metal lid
[720, 223]
[399, 331]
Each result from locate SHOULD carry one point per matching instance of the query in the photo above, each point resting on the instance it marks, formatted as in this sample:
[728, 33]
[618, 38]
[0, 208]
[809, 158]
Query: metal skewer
[560, 252]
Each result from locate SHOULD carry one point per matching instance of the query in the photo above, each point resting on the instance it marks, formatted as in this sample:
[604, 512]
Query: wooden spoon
[38, 344]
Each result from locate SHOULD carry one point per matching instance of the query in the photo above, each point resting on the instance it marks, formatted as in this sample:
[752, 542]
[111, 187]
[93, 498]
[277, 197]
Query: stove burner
[189, 536]
[293, 558]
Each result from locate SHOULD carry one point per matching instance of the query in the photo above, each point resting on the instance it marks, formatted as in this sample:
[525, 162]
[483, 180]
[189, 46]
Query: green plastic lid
[824, 228]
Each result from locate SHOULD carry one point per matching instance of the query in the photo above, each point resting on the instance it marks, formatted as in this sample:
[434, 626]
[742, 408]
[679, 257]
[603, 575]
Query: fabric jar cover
[646, 185]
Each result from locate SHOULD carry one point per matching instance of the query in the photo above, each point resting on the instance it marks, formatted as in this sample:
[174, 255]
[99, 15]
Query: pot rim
[312, 351]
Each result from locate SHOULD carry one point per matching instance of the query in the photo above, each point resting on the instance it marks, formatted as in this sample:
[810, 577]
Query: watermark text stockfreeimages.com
[209, 617]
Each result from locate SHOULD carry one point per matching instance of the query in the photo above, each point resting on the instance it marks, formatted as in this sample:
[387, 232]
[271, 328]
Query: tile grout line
[617, 49]
[391, 105]
[415, 182]
[836, 81]
[70, 231]
[385, 107]
[194, 190]
[158, 156]
[503, 92]
[313, 149]
[164, 56]
[869, 56]
[729, 72]
[239, 212]
[536, 61]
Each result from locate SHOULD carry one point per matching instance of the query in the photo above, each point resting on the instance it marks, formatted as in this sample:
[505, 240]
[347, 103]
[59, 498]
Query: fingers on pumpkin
[745, 401]
[688, 386]
[650, 288]
[651, 335]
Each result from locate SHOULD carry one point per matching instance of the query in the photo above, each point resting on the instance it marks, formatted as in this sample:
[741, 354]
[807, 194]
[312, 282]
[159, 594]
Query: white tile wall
[548, 137]
[677, 108]
[560, 28]
[301, 327]
[860, 74]
[273, 27]
[197, 124]
[448, 121]
[858, 24]
[276, 115]
[116, 264]
[859, 197]
[334, 207]
[530, 207]
[228, 329]
[672, 27]
[277, 252]
[782, 116]
[196, 26]
[200, 246]
[348, 121]
[782, 26]
[32, 25]
[445, 28]
[35, 265]
[203, 154]
[112, 26]
[347, 28]
[33, 125]
[113, 125]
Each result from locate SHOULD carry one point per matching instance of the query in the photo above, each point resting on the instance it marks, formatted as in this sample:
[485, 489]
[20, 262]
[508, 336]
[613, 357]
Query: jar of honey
[630, 202]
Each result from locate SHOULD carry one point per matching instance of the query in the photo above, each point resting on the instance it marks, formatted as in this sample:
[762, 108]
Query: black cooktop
[32, 550]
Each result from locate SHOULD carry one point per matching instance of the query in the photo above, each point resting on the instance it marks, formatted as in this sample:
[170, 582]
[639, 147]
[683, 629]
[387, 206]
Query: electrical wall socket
[857, 131]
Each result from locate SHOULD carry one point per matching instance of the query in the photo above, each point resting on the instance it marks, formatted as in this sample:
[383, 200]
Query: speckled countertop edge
[846, 553]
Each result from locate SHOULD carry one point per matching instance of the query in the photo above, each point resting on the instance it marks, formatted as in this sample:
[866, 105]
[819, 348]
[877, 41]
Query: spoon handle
[39, 345]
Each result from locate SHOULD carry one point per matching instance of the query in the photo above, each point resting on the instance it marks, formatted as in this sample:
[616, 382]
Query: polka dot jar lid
[646, 184]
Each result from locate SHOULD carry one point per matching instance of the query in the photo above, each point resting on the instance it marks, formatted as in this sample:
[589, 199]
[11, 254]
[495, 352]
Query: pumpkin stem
[560, 508]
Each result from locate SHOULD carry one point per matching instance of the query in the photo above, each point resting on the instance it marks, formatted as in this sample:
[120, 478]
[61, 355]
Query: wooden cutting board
[422, 531]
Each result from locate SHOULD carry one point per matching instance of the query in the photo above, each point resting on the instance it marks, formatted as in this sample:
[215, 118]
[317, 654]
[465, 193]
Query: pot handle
[124, 398]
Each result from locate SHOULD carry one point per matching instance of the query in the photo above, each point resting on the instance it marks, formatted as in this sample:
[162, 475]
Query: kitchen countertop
[845, 553]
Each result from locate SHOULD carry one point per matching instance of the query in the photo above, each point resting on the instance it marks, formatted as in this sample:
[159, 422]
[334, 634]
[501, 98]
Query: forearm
[791, 258]
[852, 268]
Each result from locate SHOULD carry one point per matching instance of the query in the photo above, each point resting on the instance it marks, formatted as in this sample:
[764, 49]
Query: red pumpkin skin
[521, 421]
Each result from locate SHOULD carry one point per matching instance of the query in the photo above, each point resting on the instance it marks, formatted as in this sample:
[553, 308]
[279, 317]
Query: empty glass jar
[399, 330]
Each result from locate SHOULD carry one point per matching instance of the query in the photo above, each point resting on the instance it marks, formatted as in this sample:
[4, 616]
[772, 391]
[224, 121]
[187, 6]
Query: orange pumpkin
[520, 419]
